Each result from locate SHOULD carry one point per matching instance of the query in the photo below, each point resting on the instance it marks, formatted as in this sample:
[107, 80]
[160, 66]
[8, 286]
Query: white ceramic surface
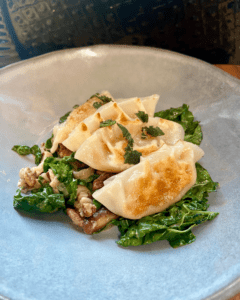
[45, 257]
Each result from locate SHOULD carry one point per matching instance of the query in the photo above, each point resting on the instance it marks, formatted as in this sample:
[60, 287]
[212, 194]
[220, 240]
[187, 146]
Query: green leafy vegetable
[183, 116]
[25, 150]
[48, 144]
[97, 204]
[107, 123]
[35, 150]
[153, 131]
[44, 200]
[22, 150]
[142, 116]
[62, 169]
[175, 223]
[64, 118]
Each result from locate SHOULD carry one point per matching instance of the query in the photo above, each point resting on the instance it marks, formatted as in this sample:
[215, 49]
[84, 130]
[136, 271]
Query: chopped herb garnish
[153, 131]
[126, 134]
[107, 123]
[76, 106]
[142, 116]
[97, 104]
[25, 150]
[131, 156]
[104, 99]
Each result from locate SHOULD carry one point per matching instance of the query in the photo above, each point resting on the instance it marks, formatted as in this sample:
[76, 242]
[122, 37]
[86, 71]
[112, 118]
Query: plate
[45, 257]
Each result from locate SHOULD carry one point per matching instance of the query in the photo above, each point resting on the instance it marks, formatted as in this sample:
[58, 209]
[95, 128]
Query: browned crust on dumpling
[159, 185]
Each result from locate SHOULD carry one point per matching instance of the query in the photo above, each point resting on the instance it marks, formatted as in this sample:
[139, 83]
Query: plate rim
[112, 47]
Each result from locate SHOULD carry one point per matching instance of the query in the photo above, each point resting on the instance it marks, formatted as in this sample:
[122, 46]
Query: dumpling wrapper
[126, 108]
[158, 181]
[61, 131]
[149, 104]
[108, 111]
[104, 150]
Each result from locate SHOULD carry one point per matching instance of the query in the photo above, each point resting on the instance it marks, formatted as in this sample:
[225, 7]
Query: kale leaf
[63, 170]
[48, 144]
[25, 150]
[183, 116]
[44, 200]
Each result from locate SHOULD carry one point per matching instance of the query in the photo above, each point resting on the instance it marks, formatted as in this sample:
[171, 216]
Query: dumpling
[125, 109]
[61, 132]
[149, 103]
[104, 150]
[108, 111]
[158, 181]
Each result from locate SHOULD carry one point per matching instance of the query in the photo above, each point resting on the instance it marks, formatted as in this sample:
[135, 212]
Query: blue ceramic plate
[45, 257]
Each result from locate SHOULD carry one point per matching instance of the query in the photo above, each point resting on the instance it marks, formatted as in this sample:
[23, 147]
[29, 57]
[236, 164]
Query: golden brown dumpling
[158, 181]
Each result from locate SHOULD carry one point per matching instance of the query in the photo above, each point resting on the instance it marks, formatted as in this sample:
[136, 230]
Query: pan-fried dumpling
[105, 149]
[158, 181]
[61, 132]
[149, 103]
[108, 111]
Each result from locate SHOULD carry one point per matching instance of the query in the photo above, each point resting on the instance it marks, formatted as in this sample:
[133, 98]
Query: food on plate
[117, 163]
[158, 181]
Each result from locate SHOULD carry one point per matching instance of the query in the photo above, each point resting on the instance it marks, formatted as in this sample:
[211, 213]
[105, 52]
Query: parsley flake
[142, 116]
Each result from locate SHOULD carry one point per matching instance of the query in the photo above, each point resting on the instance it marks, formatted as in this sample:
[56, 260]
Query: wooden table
[234, 70]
